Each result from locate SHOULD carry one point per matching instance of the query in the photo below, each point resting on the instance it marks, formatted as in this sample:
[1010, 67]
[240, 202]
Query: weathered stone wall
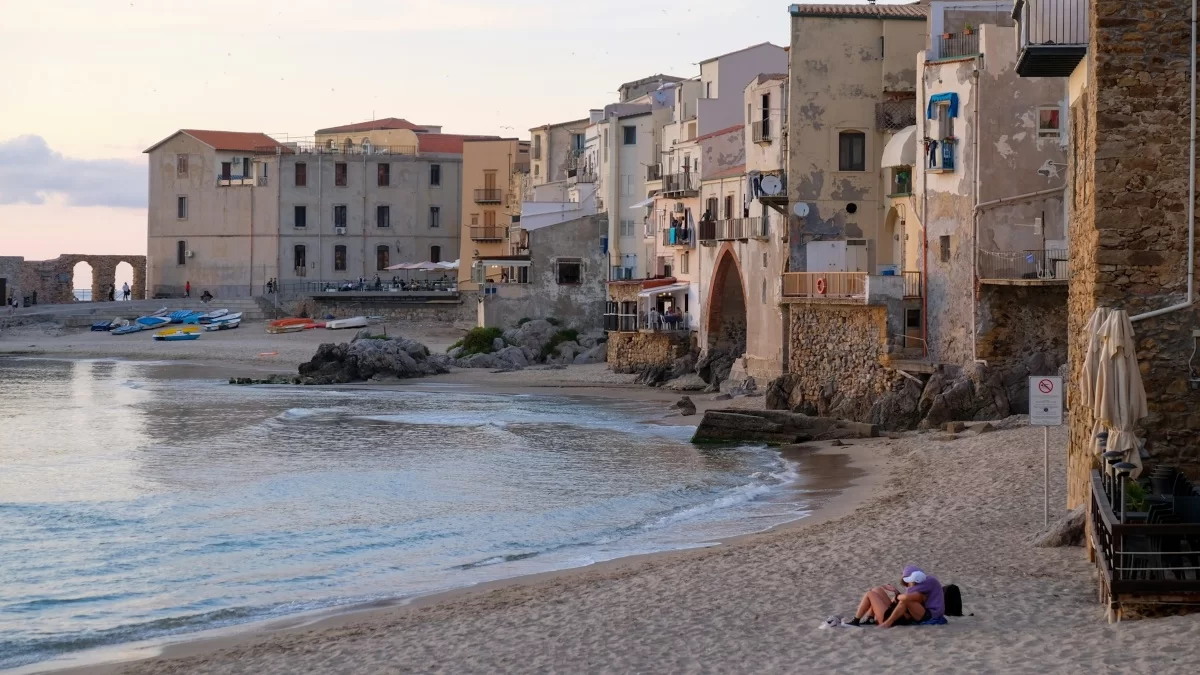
[53, 279]
[10, 272]
[1022, 332]
[1129, 169]
[630, 352]
[463, 312]
[837, 353]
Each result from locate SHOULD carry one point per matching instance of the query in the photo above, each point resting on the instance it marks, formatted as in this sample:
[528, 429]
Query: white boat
[215, 314]
[225, 318]
[223, 325]
[354, 322]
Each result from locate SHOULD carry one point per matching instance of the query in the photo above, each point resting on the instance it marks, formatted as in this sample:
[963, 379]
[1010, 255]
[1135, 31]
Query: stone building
[554, 149]
[989, 192]
[53, 281]
[1132, 208]
[399, 135]
[494, 178]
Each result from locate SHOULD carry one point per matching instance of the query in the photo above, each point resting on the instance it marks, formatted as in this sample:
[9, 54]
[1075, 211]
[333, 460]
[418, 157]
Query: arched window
[852, 151]
[347, 145]
[435, 254]
[383, 257]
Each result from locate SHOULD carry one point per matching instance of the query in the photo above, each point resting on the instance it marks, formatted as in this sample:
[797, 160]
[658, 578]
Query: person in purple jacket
[921, 599]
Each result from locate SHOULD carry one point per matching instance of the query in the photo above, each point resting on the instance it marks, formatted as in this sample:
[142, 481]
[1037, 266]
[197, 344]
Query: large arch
[725, 317]
[52, 280]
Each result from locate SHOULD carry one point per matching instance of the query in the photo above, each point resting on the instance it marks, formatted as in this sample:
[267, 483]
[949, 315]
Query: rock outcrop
[776, 427]
[363, 359]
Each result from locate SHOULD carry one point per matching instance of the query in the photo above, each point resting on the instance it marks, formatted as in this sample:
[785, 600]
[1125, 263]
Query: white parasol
[1091, 367]
[1120, 398]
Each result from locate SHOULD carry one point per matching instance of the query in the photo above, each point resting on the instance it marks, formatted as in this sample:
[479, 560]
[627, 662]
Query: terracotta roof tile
[373, 125]
[449, 144]
[731, 172]
[874, 11]
[236, 141]
[719, 132]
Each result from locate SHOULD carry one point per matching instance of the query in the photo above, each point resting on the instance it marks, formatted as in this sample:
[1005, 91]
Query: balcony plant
[968, 29]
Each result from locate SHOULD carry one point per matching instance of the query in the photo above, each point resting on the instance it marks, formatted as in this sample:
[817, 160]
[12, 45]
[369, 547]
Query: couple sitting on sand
[919, 599]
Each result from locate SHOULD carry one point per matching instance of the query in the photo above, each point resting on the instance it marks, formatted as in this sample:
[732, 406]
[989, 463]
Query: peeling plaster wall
[838, 74]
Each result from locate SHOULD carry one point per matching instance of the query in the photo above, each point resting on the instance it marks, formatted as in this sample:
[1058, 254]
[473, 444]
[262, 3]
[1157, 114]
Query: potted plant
[968, 29]
[947, 36]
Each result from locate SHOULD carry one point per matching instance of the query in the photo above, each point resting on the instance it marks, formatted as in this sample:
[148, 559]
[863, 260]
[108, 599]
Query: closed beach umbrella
[1120, 397]
[1091, 370]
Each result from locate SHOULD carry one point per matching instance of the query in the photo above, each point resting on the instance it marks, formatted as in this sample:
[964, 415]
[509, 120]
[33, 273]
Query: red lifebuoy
[821, 285]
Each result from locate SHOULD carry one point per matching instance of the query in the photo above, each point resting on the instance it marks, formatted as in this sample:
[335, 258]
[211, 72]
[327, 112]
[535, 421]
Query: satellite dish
[801, 209]
[771, 185]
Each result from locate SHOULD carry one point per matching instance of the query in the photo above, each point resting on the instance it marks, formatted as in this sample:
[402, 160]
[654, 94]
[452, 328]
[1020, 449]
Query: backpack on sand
[953, 600]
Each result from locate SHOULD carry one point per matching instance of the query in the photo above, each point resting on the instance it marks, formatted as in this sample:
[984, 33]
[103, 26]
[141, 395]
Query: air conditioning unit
[339, 230]
[189, 254]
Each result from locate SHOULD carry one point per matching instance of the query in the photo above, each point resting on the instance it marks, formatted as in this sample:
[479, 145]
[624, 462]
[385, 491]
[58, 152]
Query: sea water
[138, 501]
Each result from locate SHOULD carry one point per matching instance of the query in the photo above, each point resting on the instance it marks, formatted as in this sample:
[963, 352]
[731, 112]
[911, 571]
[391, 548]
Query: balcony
[686, 184]
[1024, 268]
[677, 236]
[732, 229]
[489, 233]
[912, 284]
[488, 195]
[895, 115]
[1052, 36]
[830, 285]
[653, 172]
[232, 181]
[957, 45]
[761, 131]
[943, 159]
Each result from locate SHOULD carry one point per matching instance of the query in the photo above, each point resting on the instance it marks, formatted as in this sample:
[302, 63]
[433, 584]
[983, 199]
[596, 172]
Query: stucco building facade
[495, 174]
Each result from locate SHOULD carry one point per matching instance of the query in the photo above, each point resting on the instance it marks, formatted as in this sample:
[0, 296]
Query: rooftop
[448, 144]
[719, 132]
[739, 51]
[911, 12]
[235, 141]
[731, 172]
[373, 125]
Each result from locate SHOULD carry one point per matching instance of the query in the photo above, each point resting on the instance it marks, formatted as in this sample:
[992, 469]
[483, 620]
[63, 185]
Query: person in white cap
[920, 599]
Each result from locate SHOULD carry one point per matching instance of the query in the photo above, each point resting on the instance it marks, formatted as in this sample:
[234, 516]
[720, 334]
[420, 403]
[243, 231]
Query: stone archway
[83, 275]
[52, 280]
[725, 320]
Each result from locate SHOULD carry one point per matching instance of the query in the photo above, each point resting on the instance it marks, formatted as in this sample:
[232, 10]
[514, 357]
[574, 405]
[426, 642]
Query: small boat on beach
[290, 325]
[105, 326]
[224, 325]
[176, 334]
[162, 312]
[134, 327]
[152, 321]
[353, 322]
[215, 314]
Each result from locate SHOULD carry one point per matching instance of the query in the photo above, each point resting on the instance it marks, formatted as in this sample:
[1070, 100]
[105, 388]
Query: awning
[644, 203]
[663, 289]
[950, 98]
[491, 262]
[901, 150]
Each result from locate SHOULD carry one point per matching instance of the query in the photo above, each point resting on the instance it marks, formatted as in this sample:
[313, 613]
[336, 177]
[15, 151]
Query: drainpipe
[975, 223]
[1191, 205]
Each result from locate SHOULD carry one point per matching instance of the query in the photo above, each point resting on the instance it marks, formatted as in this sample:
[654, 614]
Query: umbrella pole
[1046, 463]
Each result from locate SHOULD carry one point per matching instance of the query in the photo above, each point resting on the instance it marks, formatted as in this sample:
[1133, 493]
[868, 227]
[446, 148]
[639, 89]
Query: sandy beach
[964, 509]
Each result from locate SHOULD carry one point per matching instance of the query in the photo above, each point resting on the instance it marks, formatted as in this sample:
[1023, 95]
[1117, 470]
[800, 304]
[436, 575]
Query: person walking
[187, 289]
[12, 304]
[125, 291]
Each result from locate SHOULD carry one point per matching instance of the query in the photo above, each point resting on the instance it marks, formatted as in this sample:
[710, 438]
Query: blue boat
[179, 315]
[152, 321]
[103, 326]
[191, 318]
[131, 328]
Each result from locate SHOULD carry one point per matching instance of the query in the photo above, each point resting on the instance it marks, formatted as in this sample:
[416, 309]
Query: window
[245, 167]
[728, 206]
[435, 175]
[339, 258]
[629, 135]
[708, 90]
[852, 151]
[569, 271]
[180, 252]
[299, 257]
[577, 141]
[489, 180]
[489, 218]
[435, 254]
[683, 263]
[944, 248]
[226, 171]
[383, 174]
[383, 257]
[339, 174]
[181, 166]
[912, 318]
[537, 170]
[383, 216]
[435, 216]
[945, 123]
[300, 216]
[339, 215]
[1048, 122]
[764, 291]
[474, 218]
[301, 174]
[626, 228]
[710, 209]
[604, 140]
[181, 207]
[626, 185]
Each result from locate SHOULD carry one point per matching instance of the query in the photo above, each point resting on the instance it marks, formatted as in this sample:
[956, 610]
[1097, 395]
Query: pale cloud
[31, 172]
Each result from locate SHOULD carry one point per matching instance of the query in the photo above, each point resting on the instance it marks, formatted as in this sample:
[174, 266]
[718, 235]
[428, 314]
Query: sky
[90, 84]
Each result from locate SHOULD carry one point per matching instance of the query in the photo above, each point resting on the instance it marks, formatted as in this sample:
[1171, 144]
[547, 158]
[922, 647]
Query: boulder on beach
[364, 359]
[598, 353]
